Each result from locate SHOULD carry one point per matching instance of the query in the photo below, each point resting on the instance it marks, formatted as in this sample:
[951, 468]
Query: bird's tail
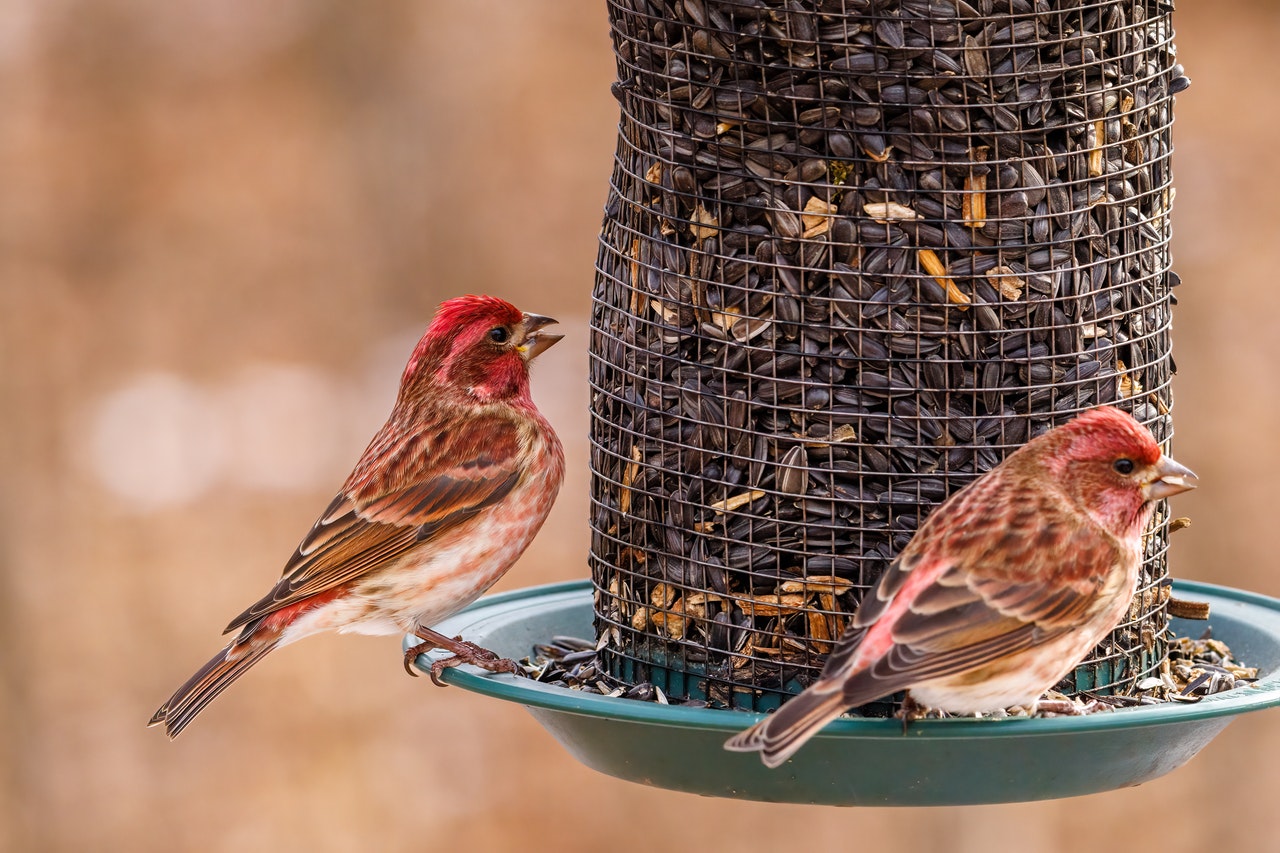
[779, 735]
[210, 680]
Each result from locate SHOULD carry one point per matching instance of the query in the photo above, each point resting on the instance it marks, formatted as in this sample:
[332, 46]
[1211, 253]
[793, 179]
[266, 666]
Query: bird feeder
[856, 252]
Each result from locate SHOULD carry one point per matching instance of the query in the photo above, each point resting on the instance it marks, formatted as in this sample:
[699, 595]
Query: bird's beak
[535, 343]
[1170, 479]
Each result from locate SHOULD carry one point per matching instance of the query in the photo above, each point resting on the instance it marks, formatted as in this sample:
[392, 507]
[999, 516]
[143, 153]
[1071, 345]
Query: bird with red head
[1005, 587]
[446, 497]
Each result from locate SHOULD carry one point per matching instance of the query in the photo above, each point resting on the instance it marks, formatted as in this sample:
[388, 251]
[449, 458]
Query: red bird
[1005, 587]
[445, 498]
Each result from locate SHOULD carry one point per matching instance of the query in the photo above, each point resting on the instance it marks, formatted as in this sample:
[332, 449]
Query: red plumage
[443, 501]
[1004, 588]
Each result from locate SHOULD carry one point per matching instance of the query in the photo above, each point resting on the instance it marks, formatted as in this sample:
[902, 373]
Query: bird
[448, 494]
[1005, 587]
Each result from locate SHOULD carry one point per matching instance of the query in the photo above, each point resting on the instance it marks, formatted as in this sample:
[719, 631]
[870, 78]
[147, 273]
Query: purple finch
[448, 494]
[1005, 587]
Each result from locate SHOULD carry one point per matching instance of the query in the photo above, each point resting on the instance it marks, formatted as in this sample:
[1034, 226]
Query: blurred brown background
[223, 225]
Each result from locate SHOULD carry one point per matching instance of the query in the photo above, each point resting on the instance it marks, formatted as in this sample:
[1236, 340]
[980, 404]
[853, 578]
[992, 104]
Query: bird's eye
[499, 335]
[1124, 466]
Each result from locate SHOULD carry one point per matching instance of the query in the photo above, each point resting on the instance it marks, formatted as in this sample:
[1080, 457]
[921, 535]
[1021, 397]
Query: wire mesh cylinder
[855, 252]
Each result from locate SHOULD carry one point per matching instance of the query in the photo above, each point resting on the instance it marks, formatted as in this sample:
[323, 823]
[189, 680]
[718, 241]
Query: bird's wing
[442, 479]
[934, 615]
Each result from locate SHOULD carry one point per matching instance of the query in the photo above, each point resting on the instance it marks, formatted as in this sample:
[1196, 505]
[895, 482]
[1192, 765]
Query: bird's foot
[411, 656]
[911, 711]
[476, 656]
[463, 652]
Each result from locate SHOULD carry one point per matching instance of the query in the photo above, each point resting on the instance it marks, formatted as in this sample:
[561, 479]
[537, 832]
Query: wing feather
[403, 493]
[971, 606]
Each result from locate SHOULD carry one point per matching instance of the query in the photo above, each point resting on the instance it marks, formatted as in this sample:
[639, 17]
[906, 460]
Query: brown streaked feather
[440, 485]
[904, 666]
[971, 621]
[939, 656]
[413, 449]
[442, 496]
[980, 607]
[201, 689]
[347, 553]
[946, 596]
[845, 651]
[778, 736]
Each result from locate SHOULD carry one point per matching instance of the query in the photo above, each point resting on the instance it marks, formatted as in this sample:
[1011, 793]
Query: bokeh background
[222, 227]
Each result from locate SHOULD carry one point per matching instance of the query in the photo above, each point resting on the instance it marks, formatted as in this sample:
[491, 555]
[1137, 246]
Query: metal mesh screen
[854, 253]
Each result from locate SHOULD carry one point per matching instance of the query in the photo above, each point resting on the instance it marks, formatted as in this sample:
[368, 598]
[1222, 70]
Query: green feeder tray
[868, 762]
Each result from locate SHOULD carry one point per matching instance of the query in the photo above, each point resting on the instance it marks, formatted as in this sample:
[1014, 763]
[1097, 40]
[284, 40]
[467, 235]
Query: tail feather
[778, 736]
[210, 680]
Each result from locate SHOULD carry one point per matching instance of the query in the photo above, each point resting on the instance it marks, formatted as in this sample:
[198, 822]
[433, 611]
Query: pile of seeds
[854, 253]
[1193, 670]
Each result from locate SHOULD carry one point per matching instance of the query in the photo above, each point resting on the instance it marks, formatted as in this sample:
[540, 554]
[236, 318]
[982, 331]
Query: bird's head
[480, 346]
[1112, 467]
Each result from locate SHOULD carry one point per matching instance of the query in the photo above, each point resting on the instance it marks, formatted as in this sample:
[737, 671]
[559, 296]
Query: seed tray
[868, 762]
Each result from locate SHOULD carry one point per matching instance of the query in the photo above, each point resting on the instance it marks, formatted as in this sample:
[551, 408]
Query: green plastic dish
[867, 762]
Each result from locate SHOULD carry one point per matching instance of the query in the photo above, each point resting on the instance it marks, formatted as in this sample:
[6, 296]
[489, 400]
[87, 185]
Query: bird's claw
[463, 652]
[411, 656]
[911, 711]
[476, 656]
